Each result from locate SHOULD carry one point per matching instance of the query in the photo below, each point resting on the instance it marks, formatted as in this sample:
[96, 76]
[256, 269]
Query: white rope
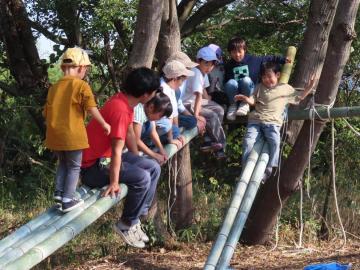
[170, 204]
[334, 181]
[357, 133]
[284, 131]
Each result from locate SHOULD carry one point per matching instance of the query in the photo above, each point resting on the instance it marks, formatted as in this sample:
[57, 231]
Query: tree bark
[23, 59]
[169, 36]
[263, 215]
[312, 52]
[184, 10]
[182, 213]
[146, 33]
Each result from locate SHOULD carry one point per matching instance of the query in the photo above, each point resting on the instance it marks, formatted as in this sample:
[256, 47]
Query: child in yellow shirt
[67, 103]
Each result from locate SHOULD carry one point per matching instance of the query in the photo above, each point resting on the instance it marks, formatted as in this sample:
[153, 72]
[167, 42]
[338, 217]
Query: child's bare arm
[97, 116]
[197, 105]
[250, 100]
[309, 87]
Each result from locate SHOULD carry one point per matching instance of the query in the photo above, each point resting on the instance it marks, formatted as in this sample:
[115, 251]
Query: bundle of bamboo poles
[39, 238]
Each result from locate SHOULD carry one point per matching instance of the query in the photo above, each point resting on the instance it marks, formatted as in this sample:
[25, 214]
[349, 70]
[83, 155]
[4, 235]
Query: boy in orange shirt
[67, 103]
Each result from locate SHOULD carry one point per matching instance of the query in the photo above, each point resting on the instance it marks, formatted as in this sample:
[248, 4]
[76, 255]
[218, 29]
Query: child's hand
[201, 123]
[177, 143]
[160, 158]
[287, 60]
[240, 98]
[107, 128]
[163, 152]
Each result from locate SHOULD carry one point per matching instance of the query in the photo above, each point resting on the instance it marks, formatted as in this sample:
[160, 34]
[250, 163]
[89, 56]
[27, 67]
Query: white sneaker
[141, 234]
[231, 113]
[129, 234]
[243, 109]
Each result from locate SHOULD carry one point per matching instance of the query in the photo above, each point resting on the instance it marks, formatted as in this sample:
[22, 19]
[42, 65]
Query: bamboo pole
[44, 231]
[322, 112]
[39, 252]
[244, 210]
[29, 235]
[287, 67]
[49, 215]
[235, 203]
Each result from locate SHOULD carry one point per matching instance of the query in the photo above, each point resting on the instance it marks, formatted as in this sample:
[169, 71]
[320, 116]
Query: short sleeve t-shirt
[67, 102]
[139, 114]
[167, 90]
[195, 84]
[270, 103]
[118, 113]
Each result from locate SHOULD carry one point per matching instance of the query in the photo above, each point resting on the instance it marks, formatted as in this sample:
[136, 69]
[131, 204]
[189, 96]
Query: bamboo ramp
[43, 235]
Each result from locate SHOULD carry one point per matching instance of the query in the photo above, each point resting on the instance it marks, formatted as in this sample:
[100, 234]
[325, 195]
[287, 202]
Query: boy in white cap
[67, 103]
[196, 98]
[186, 119]
[175, 73]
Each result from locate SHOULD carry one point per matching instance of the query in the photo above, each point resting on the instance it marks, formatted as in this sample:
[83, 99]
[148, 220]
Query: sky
[45, 47]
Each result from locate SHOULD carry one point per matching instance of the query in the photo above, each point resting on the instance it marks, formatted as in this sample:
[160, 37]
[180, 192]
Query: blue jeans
[272, 136]
[140, 174]
[163, 126]
[187, 121]
[244, 86]
[68, 171]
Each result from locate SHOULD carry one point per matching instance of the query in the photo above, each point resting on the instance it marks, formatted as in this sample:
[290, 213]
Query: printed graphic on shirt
[241, 72]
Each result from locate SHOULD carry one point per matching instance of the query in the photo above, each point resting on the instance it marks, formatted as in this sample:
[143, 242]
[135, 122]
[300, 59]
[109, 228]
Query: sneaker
[142, 235]
[231, 113]
[206, 146]
[58, 197]
[220, 154]
[243, 109]
[266, 175]
[68, 206]
[129, 235]
[216, 146]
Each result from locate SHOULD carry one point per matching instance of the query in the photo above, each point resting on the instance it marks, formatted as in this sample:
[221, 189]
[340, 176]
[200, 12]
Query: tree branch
[123, 36]
[38, 27]
[184, 9]
[202, 14]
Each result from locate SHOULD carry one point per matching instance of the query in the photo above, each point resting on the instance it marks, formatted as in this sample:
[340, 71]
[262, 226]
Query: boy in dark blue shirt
[242, 73]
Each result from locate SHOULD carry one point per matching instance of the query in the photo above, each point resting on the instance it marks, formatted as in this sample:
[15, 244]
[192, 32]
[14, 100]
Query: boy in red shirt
[140, 174]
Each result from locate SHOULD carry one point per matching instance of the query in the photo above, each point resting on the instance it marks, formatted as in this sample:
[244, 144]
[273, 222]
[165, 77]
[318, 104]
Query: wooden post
[181, 196]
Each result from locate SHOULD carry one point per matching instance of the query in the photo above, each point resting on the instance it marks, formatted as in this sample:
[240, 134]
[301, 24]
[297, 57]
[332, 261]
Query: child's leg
[73, 163]
[272, 136]
[187, 121]
[246, 86]
[253, 132]
[213, 126]
[153, 168]
[60, 172]
[231, 89]
[211, 105]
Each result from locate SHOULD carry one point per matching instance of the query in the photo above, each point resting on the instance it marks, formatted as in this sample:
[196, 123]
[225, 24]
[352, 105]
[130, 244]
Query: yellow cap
[75, 57]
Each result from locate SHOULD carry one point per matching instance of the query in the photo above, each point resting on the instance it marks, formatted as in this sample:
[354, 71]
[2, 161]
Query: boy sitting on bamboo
[270, 99]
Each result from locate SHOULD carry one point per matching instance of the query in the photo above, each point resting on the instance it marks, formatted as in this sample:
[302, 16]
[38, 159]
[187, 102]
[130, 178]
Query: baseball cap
[207, 54]
[217, 50]
[75, 57]
[183, 58]
[174, 69]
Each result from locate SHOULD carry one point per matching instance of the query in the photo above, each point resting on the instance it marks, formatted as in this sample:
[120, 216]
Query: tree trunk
[182, 213]
[146, 33]
[23, 58]
[169, 37]
[266, 208]
[312, 52]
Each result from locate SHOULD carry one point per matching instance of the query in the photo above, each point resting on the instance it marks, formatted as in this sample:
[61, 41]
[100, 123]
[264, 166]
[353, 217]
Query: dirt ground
[193, 256]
